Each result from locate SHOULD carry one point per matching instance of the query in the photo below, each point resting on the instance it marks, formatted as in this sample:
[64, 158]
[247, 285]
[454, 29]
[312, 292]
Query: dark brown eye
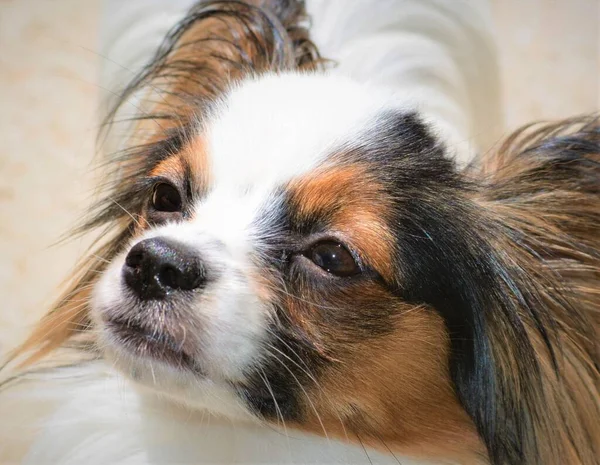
[166, 198]
[334, 258]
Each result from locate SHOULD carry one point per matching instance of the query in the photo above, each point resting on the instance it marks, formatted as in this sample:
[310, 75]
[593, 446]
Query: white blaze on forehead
[265, 132]
[227, 215]
[269, 129]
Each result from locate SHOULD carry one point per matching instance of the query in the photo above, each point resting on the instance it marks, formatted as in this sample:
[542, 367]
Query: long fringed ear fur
[218, 43]
[540, 196]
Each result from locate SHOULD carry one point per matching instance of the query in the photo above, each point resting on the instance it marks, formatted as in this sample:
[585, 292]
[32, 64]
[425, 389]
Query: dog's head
[288, 253]
[294, 247]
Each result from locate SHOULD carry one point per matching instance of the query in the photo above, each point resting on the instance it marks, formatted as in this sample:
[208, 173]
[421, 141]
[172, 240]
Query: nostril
[134, 258]
[193, 276]
[169, 276]
[184, 276]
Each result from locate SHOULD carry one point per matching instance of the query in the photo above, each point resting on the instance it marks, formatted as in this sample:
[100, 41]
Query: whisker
[364, 448]
[122, 98]
[152, 372]
[389, 450]
[277, 408]
[300, 299]
[98, 257]
[311, 377]
[304, 392]
[126, 211]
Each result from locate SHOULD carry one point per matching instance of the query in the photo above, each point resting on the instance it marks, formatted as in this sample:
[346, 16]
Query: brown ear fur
[542, 187]
[218, 43]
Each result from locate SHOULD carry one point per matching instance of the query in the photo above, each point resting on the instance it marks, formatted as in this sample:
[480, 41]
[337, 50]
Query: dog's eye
[166, 198]
[334, 258]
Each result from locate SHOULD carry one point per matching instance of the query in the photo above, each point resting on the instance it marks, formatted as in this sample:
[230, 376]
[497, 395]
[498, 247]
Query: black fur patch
[445, 262]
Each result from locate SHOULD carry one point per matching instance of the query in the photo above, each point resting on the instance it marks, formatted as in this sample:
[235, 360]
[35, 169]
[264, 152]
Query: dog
[300, 263]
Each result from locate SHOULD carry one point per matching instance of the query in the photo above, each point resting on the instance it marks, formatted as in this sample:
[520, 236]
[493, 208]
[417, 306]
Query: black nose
[155, 267]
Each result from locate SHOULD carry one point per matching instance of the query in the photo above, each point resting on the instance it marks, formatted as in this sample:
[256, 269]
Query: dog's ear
[540, 197]
[214, 46]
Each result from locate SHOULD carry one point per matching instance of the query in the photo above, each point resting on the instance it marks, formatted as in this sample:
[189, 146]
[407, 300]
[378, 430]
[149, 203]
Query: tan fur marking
[171, 167]
[352, 198]
[198, 160]
[394, 393]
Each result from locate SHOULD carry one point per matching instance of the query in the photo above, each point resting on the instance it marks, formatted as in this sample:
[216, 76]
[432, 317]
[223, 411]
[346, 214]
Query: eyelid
[333, 236]
[156, 180]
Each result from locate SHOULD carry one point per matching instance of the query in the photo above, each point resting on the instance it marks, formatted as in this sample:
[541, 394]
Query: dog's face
[273, 265]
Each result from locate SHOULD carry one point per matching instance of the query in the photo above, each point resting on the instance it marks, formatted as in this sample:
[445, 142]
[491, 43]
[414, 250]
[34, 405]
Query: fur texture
[461, 326]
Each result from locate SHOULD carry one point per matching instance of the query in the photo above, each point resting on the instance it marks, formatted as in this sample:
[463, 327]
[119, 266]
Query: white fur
[103, 421]
[393, 54]
[271, 129]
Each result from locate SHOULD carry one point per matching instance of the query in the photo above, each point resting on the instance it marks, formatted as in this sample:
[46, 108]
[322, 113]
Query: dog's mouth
[152, 343]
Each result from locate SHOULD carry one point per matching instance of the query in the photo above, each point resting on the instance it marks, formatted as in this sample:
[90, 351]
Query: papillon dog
[312, 251]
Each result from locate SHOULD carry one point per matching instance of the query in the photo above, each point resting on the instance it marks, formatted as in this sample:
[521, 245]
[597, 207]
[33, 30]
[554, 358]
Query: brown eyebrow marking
[191, 161]
[171, 167]
[355, 203]
[197, 159]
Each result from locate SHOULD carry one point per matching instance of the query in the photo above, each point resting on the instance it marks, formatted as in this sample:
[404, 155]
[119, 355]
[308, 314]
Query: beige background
[549, 52]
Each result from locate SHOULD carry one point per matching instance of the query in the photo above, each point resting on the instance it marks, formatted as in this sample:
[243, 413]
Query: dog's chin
[151, 357]
[161, 370]
[154, 344]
